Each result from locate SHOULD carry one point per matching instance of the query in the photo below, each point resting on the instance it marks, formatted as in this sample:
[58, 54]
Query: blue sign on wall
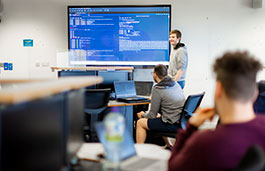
[10, 66]
[28, 43]
[5, 66]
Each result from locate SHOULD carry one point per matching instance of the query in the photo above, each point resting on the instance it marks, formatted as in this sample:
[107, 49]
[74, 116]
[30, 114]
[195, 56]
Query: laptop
[144, 88]
[126, 92]
[129, 159]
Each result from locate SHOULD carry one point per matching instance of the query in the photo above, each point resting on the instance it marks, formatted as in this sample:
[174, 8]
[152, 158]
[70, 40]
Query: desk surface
[26, 91]
[13, 81]
[92, 68]
[90, 151]
[114, 103]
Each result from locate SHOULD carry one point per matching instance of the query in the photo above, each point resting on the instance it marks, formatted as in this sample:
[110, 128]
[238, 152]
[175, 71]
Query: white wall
[212, 27]
[209, 28]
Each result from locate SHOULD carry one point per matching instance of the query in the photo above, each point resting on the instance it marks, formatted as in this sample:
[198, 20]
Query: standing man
[240, 128]
[178, 61]
[167, 99]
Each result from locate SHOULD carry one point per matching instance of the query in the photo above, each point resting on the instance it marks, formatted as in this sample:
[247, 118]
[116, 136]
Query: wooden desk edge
[92, 68]
[8, 81]
[127, 104]
[35, 90]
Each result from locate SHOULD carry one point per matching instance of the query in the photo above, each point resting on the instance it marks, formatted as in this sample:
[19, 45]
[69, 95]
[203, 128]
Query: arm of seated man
[155, 106]
[139, 115]
[177, 158]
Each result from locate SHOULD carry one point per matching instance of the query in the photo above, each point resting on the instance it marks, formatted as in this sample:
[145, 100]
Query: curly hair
[237, 73]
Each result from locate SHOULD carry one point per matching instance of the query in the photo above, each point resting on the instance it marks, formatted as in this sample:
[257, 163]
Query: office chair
[96, 104]
[190, 105]
[253, 159]
[259, 104]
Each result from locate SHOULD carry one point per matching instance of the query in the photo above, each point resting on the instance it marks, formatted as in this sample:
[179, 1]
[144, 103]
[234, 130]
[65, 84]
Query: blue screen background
[120, 33]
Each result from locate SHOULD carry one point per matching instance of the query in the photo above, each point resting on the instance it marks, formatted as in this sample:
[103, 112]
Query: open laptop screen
[144, 88]
[124, 89]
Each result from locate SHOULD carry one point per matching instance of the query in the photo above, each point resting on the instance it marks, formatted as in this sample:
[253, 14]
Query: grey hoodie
[178, 61]
[167, 98]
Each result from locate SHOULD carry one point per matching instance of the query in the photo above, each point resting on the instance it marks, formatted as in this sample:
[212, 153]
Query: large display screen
[118, 35]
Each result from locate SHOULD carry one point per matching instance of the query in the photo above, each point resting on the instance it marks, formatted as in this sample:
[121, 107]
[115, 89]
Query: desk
[93, 71]
[109, 74]
[31, 90]
[115, 103]
[90, 151]
[92, 68]
[127, 111]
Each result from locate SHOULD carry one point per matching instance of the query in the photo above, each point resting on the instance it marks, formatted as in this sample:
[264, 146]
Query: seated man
[240, 128]
[167, 99]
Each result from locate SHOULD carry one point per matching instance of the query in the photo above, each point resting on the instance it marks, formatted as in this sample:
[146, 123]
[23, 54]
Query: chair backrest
[96, 104]
[253, 159]
[259, 104]
[190, 105]
[96, 98]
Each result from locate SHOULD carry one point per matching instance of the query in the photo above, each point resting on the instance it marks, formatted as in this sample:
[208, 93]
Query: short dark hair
[237, 73]
[177, 32]
[161, 71]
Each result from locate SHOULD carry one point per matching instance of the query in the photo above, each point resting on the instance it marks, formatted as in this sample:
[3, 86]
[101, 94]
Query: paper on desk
[89, 151]
[152, 151]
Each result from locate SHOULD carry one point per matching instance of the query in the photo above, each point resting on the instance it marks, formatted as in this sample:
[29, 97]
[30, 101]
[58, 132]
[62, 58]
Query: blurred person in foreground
[240, 128]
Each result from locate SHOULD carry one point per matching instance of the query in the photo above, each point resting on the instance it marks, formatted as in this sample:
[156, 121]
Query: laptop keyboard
[133, 99]
[137, 101]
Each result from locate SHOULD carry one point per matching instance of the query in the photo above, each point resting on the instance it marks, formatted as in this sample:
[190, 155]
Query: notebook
[144, 88]
[126, 92]
[129, 159]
